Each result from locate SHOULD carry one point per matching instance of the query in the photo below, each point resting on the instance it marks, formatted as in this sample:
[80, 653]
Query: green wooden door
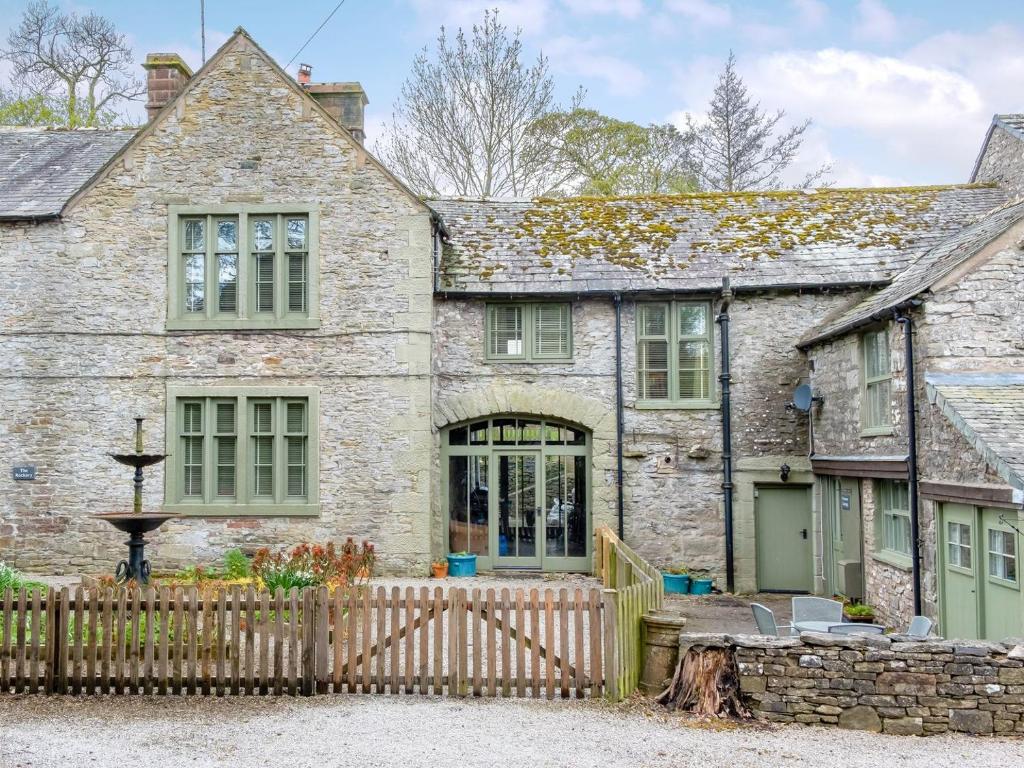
[960, 563]
[1000, 579]
[783, 529]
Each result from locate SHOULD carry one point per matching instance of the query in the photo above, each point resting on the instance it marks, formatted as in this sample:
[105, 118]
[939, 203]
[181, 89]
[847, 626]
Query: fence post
[52, 641]
[611, 659]
[308, 682]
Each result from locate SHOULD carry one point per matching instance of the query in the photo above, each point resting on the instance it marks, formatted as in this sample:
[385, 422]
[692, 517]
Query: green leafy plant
[14, 580]
[858, 609]
[236, 565]
[677, 570]
[310, 566]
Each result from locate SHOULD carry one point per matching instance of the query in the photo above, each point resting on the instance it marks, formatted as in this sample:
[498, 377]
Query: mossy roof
[929, 268]
[690, 242]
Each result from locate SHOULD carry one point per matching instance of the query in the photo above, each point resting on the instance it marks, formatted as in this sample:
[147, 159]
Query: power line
[315, 33]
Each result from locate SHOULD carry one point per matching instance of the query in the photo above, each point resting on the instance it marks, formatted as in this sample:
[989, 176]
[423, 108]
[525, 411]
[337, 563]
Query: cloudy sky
[900, 91]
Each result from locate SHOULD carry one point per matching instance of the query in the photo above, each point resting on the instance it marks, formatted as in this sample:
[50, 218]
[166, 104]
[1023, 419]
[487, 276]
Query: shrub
[310, 566]
[859, 609]
[236, 565]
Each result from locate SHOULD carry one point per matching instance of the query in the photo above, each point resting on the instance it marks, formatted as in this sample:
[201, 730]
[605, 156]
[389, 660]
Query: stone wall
[893, 684]
[1003, 161]
[83, 309]
[673, 459]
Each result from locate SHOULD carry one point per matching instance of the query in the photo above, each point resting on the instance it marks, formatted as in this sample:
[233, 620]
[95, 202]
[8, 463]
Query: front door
[960, 615]
[1000, 578]
[783, 527]
[517, 509]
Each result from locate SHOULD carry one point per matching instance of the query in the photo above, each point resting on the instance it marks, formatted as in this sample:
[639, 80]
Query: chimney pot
[305, 73]
[345, 102]
[167, 74]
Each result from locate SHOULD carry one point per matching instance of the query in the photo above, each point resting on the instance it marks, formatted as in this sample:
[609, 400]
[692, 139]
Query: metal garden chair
[766, 624]
[920, 626]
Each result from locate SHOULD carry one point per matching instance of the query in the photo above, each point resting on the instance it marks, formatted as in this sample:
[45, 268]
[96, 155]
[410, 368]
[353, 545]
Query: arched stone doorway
[516, 491]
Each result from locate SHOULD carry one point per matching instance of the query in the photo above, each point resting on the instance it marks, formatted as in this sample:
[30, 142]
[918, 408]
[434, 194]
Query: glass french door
[518, 533]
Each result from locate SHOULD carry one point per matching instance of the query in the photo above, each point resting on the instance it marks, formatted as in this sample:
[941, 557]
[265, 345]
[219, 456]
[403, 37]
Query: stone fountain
[136, 523]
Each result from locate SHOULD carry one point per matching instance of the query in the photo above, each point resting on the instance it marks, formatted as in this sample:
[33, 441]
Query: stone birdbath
[136, 523]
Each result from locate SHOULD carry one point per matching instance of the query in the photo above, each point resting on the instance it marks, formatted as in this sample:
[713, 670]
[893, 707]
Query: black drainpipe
[725, 378]
[619, 426]
[903, 319]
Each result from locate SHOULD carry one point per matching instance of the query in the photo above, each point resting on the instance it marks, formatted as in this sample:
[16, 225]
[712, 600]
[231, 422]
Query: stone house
[323, 354]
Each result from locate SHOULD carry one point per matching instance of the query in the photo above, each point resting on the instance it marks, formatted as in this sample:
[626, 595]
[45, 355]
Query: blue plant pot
[676, 583]
[462, 565]
[700, 587]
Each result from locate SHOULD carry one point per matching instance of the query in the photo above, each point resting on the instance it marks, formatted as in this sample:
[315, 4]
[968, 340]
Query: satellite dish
[802, 398]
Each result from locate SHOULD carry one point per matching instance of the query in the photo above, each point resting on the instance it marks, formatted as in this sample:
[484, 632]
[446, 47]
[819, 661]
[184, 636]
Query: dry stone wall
[892, 684]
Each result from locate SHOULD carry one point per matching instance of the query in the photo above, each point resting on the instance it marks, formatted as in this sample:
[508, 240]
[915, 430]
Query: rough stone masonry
[883, 683]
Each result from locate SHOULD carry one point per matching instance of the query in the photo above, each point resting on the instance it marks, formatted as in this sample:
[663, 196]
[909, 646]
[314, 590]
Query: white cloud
[810, 13]
[702, 13]
[875, 22]
[530, 15]
[917, 117]
[588, 58]
[629, 9]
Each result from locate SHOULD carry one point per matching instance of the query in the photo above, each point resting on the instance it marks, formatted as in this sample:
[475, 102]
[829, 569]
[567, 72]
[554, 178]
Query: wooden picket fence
[633, 587]
[176, 641]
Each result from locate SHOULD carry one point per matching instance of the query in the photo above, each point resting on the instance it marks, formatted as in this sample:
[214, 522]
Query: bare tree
[737, 147]
[81, 60]
[462, 123]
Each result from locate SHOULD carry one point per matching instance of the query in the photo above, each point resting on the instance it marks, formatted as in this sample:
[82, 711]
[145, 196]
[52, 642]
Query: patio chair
[766, 624]
[817, 609]
[856, 628]
[920, 626]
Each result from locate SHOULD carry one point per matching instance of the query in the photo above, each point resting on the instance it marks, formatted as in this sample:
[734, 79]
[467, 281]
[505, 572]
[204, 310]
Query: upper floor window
[539, 332]
[892, 509]
[243, 267]
[876, 408]
[242, 451]
[673, 356]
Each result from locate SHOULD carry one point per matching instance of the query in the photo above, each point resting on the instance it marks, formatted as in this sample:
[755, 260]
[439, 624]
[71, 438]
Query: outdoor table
[813, 626]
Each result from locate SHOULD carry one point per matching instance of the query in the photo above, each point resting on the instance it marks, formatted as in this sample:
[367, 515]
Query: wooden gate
[240, 642]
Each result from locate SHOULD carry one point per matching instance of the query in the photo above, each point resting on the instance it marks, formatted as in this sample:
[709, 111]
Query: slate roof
[690, 242]
[42, 168]
[931, 267]
[988, 409]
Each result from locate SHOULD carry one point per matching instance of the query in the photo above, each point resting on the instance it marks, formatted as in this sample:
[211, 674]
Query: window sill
[877, 432]
[243, 324]
[528, 361]
[678, 405]
[244, 510]
[1004, 583]
[894, 559]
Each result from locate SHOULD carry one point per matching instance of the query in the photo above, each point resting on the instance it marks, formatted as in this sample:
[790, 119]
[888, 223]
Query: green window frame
[876, 387]
[959, 545]
[521, 332]
[893, 539]
[1002, 555]
[243, 267]
[242, 451]
[674, 354]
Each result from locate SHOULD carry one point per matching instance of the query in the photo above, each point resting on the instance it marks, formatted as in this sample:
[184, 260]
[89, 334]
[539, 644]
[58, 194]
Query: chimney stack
[345, 102]
[305, 73]
[166, 75]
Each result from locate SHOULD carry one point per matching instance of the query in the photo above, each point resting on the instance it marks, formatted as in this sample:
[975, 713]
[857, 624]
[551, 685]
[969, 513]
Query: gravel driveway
[330, 731]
